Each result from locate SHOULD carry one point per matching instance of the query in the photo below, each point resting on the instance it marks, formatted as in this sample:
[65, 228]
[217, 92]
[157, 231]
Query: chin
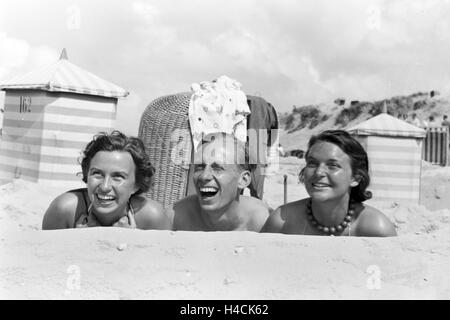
[211, 207]
[208, 207]
[323, 196]
[320, 196]
[315, 197]
[105, 210]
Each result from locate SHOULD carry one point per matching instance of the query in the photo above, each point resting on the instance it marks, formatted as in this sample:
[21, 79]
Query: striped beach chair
[436, 146]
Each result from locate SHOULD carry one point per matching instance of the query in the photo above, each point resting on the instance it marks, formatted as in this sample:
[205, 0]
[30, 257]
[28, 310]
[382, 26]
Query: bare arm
[61, 212]
[185, 215]
[152, 216]
[274, 223]
[258, 212]
[374, 223]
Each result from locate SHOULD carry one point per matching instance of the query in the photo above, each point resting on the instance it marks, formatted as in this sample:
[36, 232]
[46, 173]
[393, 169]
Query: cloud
[147, 11]
[13, 54]
[18, 57]
[287, 51]
[41, 56]
[132, 105]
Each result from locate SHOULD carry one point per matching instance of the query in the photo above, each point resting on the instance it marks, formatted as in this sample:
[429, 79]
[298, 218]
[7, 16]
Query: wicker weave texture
[164, 129]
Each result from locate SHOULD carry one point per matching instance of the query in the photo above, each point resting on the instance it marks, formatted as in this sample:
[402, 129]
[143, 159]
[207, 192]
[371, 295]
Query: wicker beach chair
[164, 129]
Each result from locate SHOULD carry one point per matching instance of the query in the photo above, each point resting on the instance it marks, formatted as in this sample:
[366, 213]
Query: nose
[106, 184]
[206, 174]
[321, 170]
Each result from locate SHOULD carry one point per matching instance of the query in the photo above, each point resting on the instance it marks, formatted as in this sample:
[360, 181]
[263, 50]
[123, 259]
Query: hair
[445, 116]
[239, 146]
[359, 160]
[117, 141]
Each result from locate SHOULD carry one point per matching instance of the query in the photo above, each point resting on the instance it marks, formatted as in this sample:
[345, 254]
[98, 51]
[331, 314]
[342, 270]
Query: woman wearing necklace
[336, 177]
[117, 173]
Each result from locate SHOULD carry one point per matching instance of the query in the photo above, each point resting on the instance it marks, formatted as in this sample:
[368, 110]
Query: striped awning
[64, 76]
[386, 125]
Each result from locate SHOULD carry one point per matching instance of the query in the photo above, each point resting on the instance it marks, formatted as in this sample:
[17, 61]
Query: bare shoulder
[150, 214]
[292, 209]
[257, 212]
[373, 223]
[286, 218]
[62, 212]
[186, 206]
[185, 213]
[254, 205]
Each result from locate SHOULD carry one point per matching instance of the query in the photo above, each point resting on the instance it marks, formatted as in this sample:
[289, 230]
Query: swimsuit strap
[130, 207]
[84, 193]
[83, 220]
[86, 218]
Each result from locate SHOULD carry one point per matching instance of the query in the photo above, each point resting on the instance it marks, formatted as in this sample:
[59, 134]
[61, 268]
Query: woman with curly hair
[336, 176]
[117, 173]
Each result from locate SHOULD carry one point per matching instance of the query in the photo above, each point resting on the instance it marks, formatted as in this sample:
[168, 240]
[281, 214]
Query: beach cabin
[394, 148]
[50, 115]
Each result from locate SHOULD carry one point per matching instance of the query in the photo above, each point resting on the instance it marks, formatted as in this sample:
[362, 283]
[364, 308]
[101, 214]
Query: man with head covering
[221, 106]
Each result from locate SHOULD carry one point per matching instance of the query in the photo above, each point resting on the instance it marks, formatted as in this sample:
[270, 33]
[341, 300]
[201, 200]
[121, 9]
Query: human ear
[244, 179]
[356, 179]
[135, 189]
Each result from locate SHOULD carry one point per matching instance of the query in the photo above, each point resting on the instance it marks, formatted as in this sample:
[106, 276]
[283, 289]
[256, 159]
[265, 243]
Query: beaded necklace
[334, 229]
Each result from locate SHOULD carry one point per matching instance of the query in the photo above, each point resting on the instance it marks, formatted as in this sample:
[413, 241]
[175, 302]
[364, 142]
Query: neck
[332, 212]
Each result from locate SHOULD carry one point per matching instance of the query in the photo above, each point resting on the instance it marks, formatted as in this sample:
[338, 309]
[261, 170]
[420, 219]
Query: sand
[114, 263]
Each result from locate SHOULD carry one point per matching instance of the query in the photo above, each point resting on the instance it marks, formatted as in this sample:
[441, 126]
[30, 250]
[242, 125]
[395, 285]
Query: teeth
[208, 189]
[320, 185]
[105, 197]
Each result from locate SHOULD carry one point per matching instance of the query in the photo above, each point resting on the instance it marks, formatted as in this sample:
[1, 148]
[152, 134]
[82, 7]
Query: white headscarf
[218, 106]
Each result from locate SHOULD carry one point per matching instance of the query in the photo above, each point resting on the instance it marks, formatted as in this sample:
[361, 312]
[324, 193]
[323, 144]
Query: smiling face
[110, 183]
[217, 176]
[328, 173]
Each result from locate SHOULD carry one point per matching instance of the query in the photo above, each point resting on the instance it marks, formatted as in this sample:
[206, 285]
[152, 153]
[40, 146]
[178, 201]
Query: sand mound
[114, 263]
[22, 204]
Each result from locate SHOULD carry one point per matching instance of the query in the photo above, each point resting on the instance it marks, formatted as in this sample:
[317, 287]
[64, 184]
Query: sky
[290, 52]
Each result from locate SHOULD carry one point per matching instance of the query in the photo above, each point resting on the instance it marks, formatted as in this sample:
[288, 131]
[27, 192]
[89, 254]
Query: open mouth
[320, 185]
[104, 198]
[208, 192]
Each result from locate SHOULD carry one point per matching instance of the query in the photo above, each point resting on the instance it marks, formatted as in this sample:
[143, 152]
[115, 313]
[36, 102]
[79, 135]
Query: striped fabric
[43, 140]
[394, 168]
[64, 76]
[436, 146]
[394, 148]
[386, 125]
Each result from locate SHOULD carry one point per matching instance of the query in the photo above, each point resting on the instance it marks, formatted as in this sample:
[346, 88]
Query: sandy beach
[169, 71]
[114, 263]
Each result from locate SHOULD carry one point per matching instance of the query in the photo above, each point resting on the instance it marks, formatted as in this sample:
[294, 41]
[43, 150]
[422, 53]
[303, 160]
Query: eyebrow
[332, 159]
[213, 164]
[121, 172]
[114, 172]
[217, 164]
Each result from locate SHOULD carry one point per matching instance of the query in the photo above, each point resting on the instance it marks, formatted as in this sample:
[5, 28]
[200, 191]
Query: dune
[114, 263]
